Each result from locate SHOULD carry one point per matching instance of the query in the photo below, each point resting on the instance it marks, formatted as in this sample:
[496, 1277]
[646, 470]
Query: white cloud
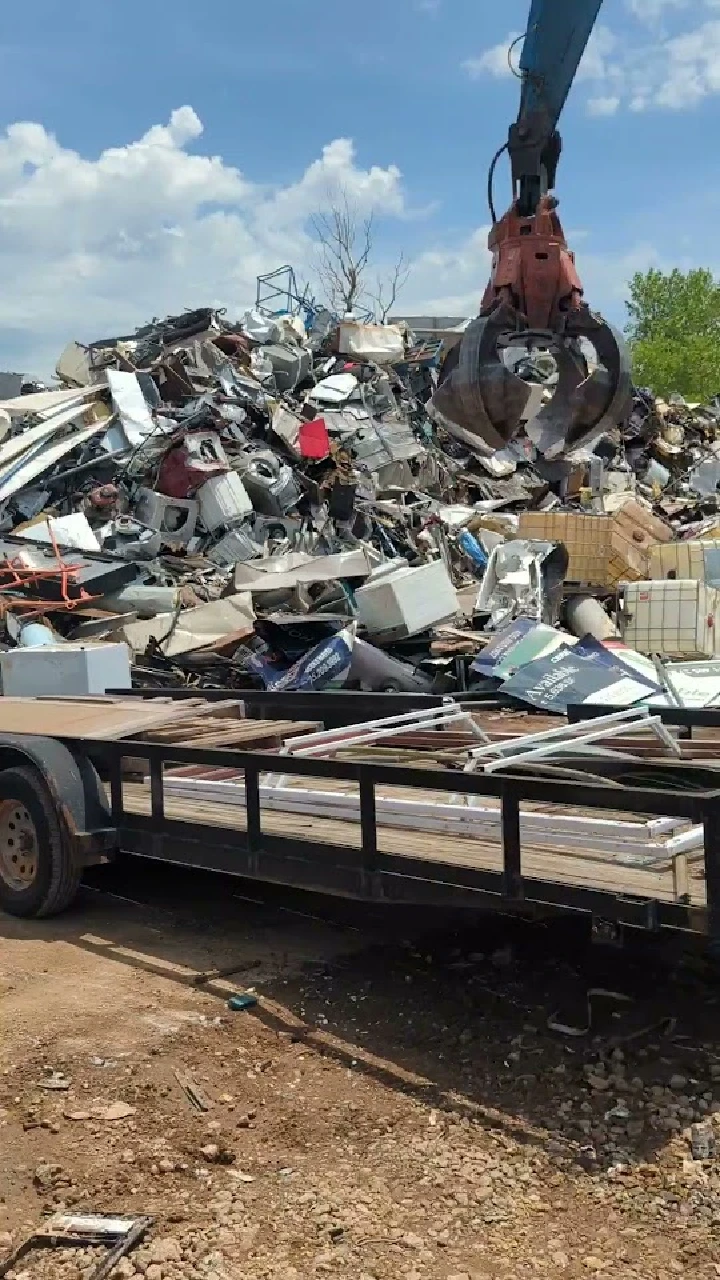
[595, 62]
[493, 61]
[603, 105]
[651, 11]
[654, 66]
[502, 59]
[668, 72]
[449, 280]
[89, 247]
[605, 274]
[92, 247]
[370, 189]
[693, 67]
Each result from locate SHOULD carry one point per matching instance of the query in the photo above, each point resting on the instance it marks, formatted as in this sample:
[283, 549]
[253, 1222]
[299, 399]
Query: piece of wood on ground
[196, 1096]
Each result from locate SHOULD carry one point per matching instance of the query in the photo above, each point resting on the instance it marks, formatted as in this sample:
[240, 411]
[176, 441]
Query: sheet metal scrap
[72, 1231]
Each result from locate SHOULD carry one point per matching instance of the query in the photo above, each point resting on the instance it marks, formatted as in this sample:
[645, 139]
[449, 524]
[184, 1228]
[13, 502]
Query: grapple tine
[604, 398]
[548, 430]
[477, 391]
[613, 356]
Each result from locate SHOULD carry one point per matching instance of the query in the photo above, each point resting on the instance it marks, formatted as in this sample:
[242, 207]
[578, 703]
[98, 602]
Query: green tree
[674, 332]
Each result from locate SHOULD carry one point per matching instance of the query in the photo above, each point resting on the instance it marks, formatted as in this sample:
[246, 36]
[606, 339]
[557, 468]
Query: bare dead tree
[345, 245]
[387, 291]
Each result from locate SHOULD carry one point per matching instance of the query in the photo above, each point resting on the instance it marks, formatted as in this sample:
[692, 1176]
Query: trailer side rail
[368, 872]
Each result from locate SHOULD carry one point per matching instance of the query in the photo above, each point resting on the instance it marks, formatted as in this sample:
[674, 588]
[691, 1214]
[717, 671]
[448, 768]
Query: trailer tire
[38, 874]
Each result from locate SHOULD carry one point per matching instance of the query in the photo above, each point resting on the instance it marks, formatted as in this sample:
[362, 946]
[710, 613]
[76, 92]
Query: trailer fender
[75, 789]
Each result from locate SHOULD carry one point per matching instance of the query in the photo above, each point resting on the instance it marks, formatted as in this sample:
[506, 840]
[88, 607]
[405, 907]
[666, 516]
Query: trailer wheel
[38, 876]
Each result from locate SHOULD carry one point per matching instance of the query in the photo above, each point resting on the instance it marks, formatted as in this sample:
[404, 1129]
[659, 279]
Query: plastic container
[602, 550]
[698, 559]
[677, 619]
[240, 1002]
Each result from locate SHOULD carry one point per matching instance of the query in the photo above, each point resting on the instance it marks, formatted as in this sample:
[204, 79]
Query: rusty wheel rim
[18, 846]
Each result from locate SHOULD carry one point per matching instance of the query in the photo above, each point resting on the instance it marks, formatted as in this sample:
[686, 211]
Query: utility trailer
[66, 804]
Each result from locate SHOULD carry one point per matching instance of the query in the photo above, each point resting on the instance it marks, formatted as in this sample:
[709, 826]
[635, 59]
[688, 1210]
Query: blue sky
[109, 213]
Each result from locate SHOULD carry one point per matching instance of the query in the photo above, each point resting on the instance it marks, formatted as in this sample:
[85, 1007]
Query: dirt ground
[396, 1106]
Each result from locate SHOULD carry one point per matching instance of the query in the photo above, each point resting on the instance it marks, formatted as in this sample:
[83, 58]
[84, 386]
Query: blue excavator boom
[534, 297]
[555, 41]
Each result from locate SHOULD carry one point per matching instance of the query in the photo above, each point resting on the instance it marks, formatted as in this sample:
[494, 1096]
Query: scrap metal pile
[280, 503]
[225, 499]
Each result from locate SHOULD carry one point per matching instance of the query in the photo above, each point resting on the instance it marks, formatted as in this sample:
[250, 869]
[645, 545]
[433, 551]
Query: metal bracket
[607, 933]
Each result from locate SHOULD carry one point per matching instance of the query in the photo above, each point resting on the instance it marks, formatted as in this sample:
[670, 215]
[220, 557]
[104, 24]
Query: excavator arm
[534, 296]
[555, 41]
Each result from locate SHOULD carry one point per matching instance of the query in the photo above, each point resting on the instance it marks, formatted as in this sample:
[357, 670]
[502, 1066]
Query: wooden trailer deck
[679, 879]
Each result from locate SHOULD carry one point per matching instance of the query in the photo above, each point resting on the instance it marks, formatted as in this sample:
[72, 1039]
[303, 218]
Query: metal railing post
[157, 798]
[116, 788]
[512, 858]
[252, 808]
[711, 843]
[368, 831]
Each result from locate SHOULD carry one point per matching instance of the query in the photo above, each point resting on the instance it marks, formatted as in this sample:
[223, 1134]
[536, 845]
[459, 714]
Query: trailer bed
[641, 850]
[445, 852]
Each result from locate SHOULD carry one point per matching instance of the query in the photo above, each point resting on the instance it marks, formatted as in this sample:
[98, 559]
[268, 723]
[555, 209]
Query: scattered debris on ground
[385, 1111]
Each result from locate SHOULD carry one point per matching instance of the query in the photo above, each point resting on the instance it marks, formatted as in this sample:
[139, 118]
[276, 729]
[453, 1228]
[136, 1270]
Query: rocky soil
[434, 1109]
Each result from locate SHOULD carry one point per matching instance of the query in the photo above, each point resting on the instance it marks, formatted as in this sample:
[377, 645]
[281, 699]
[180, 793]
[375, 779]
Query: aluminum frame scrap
[325, 742]
[649, 843]
[569, 737]
[82, 1231]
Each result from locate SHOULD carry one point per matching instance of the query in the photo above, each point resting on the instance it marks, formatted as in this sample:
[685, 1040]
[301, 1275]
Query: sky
[157, 157]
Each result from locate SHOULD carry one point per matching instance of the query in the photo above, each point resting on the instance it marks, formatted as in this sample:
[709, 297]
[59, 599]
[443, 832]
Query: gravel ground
[389, 1109]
